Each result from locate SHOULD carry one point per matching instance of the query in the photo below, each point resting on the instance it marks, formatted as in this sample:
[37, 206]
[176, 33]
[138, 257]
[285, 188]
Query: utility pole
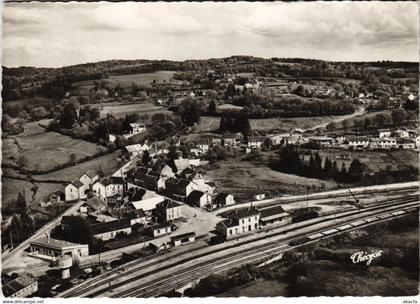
[11, 238]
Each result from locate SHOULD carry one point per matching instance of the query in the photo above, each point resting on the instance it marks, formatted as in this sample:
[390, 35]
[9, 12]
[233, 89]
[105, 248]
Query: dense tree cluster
[291, 161]
[235, 123]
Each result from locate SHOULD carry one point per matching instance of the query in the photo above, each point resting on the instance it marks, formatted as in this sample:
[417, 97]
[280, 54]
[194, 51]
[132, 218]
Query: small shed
[178, 240]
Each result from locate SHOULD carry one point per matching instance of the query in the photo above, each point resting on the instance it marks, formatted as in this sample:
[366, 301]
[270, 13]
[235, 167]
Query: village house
[179, 187]
[279, 139]
[383, 143]
[216, 142]
[108, 187]
[93, 205]
[202, 145]
[274, 216]
[200, 184]
[109, 230]
[255, 142]
[384, 133]
[417, 141]
[57, 197]
[135, 150]
[136, 217]
[137, 128]
[322, 141]
[74, 191]
[88, 179]
[23, 286]
[358, 142]
[49, 249]
[183, 163]
[401, 134]
[199, 199]
[167, 210]
[239, 222]
[155, 180]
[223, 199]
[230, 140]
[160, 229]
[405, 143]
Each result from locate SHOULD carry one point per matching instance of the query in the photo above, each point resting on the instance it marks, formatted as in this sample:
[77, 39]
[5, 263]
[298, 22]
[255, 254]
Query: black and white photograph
[210, 149]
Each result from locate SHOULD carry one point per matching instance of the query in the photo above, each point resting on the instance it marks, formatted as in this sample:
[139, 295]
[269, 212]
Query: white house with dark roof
[89, 178]
[199, 199]
[74, 191]
[168, 210]
[108, 187]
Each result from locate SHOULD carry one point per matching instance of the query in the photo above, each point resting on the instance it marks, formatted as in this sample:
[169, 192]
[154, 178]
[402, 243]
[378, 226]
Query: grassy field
[286, 124]
[208, 124]
[33, 102]
[34, 127]
[108, 163]
[143, 79]
[375, 161]
[120, 110]
[47, 150]
[243, 179]
[11, 187]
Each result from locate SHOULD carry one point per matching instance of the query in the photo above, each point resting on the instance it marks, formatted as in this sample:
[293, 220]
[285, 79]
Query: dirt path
[359, 112]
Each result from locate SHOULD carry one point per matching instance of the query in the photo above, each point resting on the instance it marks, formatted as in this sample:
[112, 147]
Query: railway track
[114, 275]
[194, 272]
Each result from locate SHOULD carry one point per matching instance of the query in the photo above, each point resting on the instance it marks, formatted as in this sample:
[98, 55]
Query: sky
[60, 34]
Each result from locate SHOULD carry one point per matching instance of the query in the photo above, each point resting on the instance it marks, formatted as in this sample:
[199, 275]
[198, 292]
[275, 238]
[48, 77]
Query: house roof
[277, 211]
[195, 196]
[183, 183]
[222, 196]
[357, 138]
[136, 194]
[140, 172]
[91, 173]
[167, 204]
[182, 236]
[256, 138]
[54, 243]
[109, 226]
[243, 212]
[117, 180]
[95, 203]
[320, 138]
[133, 214]
[24, 280]
[78, 184]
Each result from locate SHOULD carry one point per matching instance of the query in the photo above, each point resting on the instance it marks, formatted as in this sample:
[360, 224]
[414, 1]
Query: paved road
[44, 229]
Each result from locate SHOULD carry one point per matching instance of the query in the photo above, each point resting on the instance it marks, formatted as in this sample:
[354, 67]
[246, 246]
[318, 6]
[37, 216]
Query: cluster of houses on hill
[385, 139]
